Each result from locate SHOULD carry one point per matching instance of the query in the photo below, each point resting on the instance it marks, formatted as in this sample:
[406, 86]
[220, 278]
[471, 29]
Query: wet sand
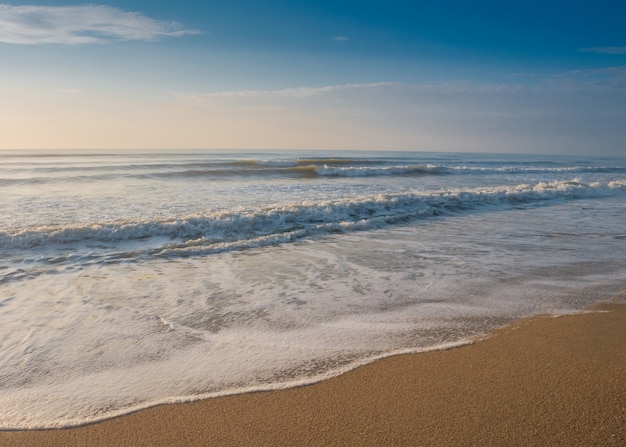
[543, 381]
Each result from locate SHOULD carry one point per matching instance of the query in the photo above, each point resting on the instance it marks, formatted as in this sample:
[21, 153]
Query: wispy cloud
[459, 87]
[84, 24]
[340, 38]
[297, 92]
[604, 50]
[569, 111]
[600, 80]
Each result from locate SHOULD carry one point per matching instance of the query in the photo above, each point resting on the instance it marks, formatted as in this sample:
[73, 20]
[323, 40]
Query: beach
[542, 381]
[133, 280]
[312, 224]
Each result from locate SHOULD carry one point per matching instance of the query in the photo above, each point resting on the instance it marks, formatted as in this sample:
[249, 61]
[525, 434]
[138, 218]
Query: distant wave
[221, 171]
[366, 171]
[297, 168]
[539, 170]
[242, 228]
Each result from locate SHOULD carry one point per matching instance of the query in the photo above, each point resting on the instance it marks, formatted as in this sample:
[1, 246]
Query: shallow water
[131, 279]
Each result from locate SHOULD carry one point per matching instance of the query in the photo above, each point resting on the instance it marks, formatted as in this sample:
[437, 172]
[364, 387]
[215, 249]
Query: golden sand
[543, 381]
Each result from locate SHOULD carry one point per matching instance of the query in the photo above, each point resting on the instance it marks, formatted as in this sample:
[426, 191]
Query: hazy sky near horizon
[496, 76]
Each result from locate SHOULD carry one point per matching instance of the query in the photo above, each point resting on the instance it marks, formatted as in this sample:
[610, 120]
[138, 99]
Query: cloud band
[604, 50]
[75, 25]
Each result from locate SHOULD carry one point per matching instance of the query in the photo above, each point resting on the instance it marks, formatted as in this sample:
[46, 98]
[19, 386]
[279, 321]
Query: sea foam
[134, 278]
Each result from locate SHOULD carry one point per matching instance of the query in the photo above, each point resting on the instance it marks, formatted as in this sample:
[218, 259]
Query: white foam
[247, 223]
[154, 286]
[367, 171]
[101, 341]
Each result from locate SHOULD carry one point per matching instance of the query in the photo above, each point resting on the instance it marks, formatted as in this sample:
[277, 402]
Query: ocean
[133, 278]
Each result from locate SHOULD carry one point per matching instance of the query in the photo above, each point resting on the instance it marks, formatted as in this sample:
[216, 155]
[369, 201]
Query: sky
[474, 76]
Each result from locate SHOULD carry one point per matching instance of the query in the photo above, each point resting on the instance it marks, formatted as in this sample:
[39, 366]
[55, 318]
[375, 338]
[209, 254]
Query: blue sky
[495, 76]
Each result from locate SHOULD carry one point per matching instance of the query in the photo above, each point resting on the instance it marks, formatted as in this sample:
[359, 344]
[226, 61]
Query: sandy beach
[542, 381]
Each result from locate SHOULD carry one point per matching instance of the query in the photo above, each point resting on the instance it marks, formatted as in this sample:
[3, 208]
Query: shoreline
[543, 380]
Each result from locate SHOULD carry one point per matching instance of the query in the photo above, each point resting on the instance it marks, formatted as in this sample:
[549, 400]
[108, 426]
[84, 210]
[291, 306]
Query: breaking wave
[245, 227]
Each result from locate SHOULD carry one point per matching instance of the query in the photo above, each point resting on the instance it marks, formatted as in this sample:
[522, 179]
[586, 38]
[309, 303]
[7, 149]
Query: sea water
[134, 278]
